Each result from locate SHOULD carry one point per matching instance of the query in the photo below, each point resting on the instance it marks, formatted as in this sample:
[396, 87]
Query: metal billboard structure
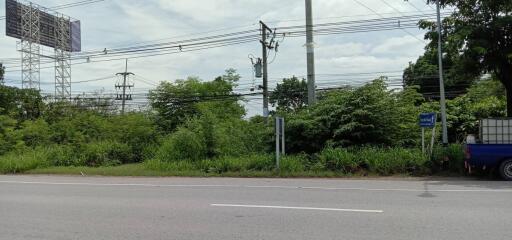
[37, 26]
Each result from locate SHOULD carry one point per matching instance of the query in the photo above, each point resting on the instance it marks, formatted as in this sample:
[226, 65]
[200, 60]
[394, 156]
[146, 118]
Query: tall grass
[448, 159]
[393, 160]
[381, 161]
[97, 154]
[220, 165]
[19, 162]
[336, 161]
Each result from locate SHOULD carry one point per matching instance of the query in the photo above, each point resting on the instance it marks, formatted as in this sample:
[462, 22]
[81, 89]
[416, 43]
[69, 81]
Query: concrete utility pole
[441, 77]
[265, 47]
[2, 74]
[311, 54]
[123, 97]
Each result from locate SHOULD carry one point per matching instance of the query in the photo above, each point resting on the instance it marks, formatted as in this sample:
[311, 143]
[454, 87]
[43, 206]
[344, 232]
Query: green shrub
[227, 137]
[150, 151]
[10, 139]
[62, 156]
[337, 159]
[65, 132]
[105, 153]
[35, 133]
[182, 145]
[137, 131]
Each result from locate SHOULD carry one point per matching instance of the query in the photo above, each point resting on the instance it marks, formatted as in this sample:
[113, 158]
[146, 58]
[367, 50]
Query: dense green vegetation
[476, 41]
[369, 130]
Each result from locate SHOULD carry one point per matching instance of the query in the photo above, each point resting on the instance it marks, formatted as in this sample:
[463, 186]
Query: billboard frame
[38, 26]
[48, 21]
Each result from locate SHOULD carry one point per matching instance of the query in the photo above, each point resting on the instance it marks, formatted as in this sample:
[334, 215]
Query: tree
[290, 95]
[480, 32]
[484, 99]
[22, 104]
[9, 138]
[180, 101]
[425, 74]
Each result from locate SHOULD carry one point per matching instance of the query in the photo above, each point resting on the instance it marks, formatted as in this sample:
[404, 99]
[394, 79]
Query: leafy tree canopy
[478, 34]
[290, 95]
[20, 103]
[177, 102]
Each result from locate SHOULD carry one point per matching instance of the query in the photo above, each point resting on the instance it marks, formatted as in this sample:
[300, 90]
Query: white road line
[298, 208]
[258, 186]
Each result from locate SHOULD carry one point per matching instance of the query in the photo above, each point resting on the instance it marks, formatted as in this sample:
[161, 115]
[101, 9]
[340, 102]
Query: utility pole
[265, 47]
[311, 54]
[2, 71]
[124, 97]
[441, 77]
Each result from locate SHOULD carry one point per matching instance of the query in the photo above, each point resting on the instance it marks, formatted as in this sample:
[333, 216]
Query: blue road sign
[428, 120]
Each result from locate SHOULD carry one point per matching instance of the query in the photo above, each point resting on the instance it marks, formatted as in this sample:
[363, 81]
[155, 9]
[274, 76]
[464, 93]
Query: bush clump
[183, 145]
[105, 153]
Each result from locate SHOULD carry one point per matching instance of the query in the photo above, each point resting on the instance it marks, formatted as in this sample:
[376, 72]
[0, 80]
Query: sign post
[428, 120]
[280, 141]
[423, 140]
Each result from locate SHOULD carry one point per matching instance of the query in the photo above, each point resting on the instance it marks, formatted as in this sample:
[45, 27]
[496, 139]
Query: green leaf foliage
[478, 34]
[371, 114]
[290, 95]
[177, 102]
[21, 104]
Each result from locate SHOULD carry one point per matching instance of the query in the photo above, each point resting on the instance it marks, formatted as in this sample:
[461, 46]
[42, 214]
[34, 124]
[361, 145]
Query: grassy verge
[330, 163]
[134, 170]
[140, 170]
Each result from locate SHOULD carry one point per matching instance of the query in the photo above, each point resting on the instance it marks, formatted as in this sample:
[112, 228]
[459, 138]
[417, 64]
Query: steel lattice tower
[62, 58]
[30, 48]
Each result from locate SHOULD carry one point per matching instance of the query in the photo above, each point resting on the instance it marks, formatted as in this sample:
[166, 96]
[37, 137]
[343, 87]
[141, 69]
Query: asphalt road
[47, 207]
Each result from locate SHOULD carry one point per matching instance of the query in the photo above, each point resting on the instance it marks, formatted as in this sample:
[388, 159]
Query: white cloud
[409, 45]
[341, 50]
[120, 22]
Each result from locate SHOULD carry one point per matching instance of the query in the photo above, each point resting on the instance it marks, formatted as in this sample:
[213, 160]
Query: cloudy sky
[339, 58]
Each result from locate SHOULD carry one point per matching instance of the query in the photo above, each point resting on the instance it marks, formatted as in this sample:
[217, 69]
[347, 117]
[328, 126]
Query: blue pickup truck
[493, 149]
[490, 156]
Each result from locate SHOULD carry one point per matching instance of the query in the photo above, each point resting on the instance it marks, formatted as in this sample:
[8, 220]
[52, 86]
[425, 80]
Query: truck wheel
[506, 170]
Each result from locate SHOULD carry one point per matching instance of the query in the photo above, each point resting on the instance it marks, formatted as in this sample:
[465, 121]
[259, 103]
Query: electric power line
[360, 3]
[67, 5]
